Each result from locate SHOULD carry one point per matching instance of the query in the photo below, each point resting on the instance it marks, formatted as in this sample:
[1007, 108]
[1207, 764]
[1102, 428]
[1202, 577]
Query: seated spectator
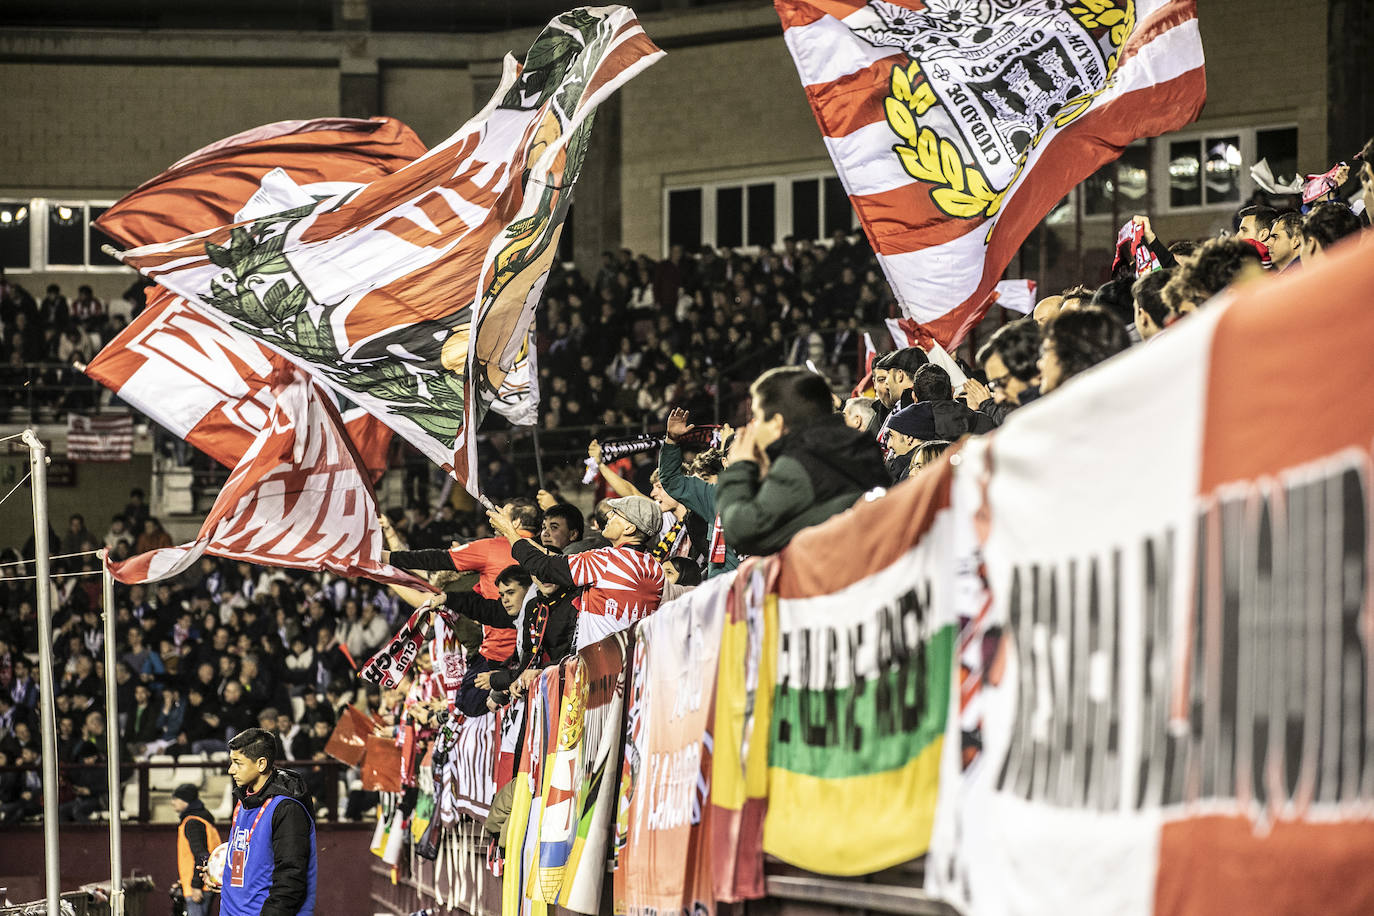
[1009, 361]
[1078, 340]
[140, 727]
[796, 463]
[1367, 177]
[1217, 264]
[1075, 297]
[1256, 222]
[901, 366]
[927, 453]
[1285, 240]
[860, 414]
[931, 421]
[1147, 293]
[623, 583]
[1046, 309]
[89, 784]
[931, 384]
[1325, 225]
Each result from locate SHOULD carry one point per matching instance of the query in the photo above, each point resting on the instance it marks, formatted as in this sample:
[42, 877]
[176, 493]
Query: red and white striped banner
[298, 499]
[100, 438]
[190, 372]
[957, 126]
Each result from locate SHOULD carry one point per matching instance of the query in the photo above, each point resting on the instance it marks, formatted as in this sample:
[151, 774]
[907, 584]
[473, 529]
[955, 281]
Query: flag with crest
[413, 295]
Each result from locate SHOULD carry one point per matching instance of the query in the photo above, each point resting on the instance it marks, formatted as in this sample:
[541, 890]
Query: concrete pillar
[596, 201]
[360, 85]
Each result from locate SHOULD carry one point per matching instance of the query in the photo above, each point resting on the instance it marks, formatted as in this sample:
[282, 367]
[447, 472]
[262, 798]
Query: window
[42, 233]
[754, 213]
[1212, 169]
[839, 213]
[684, 218]
[1119, 187]
[806, 208]
[761, 215]
[15, 231]
[730, 217]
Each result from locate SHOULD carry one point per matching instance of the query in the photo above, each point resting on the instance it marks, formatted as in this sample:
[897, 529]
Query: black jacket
[998, 413]
[540, 645]
[292, 841]
[814, 473]
[196, 837]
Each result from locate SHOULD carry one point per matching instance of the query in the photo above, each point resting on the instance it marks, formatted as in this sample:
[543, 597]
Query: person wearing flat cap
[196, 836]
[622, 582]
[927, 421]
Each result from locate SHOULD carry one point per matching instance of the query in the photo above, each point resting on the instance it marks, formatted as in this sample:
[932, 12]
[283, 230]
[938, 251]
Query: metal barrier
[139, 774]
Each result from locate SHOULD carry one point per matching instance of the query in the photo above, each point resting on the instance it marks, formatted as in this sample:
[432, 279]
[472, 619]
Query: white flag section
[298, 498]
[518, 398]
[1166, 693]
[956, 125]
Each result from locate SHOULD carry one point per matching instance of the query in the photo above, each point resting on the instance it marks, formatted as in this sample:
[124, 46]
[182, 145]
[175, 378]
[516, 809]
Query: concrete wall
[730, 106]
[434, 101]
[100, 127]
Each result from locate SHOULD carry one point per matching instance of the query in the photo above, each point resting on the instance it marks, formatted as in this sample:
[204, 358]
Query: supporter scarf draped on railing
[413, 296]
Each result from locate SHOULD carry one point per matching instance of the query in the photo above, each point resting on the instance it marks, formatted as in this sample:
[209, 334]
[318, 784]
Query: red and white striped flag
[412, 297]
[101, 438]
[957, 126]
[193, 374]
[298, 499]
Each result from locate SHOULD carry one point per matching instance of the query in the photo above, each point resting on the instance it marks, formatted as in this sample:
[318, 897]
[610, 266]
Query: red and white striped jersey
[625, 585]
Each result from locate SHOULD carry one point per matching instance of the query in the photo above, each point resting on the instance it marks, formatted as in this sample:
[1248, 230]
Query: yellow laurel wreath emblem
[961, 189]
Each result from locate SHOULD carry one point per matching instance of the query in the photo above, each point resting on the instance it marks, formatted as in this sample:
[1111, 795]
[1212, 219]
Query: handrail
[142, 768]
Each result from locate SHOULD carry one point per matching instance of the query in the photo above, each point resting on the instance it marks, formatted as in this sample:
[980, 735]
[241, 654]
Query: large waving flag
[192, 373]
[297, 499]
[957, 126]
[413, 296]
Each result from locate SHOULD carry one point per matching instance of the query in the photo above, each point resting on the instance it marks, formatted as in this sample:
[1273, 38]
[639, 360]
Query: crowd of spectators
[227, 646]
[640, 335]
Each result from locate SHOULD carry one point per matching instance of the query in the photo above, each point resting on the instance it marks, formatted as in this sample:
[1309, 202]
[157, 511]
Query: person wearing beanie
[196, 836]
[623, 582]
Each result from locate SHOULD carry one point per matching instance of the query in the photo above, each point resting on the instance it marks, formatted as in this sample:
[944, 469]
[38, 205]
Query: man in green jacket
[696, 493]
[795, 465]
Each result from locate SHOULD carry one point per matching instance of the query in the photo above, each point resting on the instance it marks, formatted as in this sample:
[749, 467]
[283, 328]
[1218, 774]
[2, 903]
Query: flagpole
[112, 744]
[38, 468]
[538, 458]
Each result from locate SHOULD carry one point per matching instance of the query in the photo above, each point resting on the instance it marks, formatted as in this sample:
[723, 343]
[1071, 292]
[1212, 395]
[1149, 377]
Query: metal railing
[138, 773]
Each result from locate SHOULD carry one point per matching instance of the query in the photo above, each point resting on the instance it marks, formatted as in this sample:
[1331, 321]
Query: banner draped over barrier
[1172, 713]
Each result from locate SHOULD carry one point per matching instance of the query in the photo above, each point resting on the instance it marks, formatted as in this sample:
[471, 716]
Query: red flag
[193, 374]
[381, 765]
[298, 499]
[348, 741]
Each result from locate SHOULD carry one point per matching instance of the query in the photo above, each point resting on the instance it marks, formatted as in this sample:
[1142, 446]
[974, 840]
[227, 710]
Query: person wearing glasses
[1009, 360]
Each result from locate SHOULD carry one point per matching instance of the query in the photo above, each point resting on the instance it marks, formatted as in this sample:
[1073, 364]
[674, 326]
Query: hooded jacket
[814, 473]
[291, 840]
